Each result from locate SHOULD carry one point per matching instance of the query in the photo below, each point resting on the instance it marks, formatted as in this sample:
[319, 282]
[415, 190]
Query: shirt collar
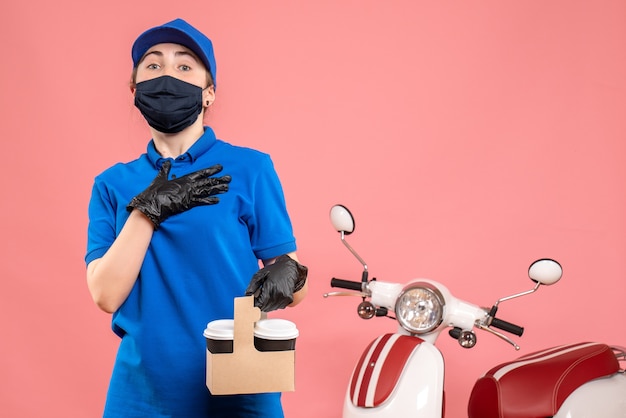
[202, 145]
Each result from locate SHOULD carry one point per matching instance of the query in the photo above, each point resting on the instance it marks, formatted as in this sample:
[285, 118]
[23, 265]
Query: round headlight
[419, 308]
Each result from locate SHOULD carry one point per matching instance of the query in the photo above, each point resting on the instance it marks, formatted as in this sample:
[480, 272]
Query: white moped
[401, 374]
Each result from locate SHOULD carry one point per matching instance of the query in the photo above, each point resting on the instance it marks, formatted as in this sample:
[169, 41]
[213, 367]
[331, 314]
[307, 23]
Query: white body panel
[419, 392]
[600, 398]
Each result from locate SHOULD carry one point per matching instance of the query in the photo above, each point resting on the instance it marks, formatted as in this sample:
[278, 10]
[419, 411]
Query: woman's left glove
[275, 284]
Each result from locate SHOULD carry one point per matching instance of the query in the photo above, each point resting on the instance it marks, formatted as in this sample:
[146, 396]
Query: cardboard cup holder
[248, 354]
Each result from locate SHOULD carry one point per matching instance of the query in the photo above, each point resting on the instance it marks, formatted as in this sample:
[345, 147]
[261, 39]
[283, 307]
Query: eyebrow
[177, 54]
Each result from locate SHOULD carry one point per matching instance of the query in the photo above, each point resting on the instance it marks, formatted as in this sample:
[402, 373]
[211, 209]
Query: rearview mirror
[342, 219]
[545, 271]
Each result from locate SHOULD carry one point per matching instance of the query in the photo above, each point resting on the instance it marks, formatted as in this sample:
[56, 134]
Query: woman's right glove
[274, 285]
[164, 198]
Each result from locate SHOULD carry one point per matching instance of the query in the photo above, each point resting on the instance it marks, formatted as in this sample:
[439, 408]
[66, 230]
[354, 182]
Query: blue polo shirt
[197, 262]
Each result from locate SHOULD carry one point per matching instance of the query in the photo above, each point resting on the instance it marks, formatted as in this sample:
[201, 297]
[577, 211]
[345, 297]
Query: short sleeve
[271, 232]
[101, 231]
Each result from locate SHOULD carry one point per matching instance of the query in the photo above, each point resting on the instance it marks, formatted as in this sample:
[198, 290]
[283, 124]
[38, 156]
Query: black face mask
[168, 104]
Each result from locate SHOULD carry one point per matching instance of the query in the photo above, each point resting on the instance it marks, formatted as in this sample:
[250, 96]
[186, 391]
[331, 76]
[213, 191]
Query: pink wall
[468, 138]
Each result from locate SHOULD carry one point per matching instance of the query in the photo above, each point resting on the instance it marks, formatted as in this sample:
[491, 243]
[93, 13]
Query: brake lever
[359, 294]
[497, 334]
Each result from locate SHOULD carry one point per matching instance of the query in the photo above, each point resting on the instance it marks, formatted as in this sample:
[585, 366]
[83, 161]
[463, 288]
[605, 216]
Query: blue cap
[177, 32]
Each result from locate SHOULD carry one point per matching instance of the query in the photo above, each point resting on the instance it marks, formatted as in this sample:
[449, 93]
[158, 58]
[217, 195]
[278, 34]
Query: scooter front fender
[397, 375]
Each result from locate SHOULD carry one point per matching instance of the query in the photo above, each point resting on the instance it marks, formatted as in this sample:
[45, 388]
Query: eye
[184, 67]
[152, 66]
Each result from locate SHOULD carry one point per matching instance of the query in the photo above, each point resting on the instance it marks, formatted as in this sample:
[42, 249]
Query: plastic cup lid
[221, 329]
[275, 329]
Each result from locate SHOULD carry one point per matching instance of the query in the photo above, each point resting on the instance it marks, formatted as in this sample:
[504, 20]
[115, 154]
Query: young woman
[178, 233]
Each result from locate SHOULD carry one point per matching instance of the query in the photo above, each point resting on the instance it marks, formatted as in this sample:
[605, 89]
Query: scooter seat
[536, 385]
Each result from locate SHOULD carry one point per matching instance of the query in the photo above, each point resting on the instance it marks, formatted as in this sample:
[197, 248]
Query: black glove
[164, 198]
[276, 283]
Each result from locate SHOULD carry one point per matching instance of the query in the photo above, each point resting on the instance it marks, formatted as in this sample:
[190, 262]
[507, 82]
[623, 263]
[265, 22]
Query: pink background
[468, 138]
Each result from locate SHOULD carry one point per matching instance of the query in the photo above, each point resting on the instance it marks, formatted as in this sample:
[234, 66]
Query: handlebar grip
[346, 284]
[507, 326]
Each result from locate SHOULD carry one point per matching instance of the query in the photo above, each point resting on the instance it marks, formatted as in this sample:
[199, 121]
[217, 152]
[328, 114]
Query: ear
[208, 96]
[132, 85]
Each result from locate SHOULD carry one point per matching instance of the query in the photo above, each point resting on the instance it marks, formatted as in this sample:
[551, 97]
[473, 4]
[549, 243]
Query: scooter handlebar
[495, 322]
[507, 326]
[346, 284]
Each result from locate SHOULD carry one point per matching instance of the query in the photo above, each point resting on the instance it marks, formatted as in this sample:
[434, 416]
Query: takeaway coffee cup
[275, 335]
[219, 336]
[269, 335]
